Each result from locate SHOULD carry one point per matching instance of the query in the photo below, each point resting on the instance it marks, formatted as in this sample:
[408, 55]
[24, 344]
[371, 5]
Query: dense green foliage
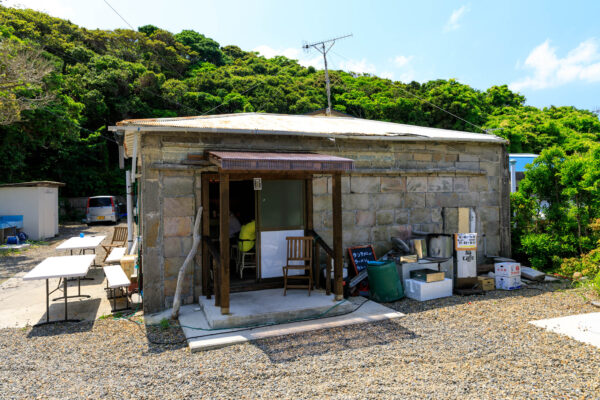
[101, 77]
[556, 212]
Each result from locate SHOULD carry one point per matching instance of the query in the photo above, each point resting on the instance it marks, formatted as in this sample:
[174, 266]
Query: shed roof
[33, 184]
[308, 125]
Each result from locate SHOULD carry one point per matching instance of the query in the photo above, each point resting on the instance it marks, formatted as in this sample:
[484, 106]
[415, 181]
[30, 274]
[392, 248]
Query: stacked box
[427, 275]
[486, 283]
[507, 269]
[508, 282]
[422, 291]
[508, 275]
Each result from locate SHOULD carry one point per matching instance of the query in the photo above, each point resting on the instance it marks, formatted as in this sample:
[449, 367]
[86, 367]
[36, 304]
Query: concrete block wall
[169, 203]
[432, 182]
[395, 185]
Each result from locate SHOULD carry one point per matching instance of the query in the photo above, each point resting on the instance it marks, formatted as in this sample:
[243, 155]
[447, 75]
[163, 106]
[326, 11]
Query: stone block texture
[396, 187]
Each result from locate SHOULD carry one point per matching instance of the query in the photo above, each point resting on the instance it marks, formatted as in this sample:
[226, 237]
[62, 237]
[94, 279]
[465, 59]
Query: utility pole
[321, 48]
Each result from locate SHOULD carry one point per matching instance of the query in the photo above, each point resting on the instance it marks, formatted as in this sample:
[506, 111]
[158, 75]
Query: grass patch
[164, 324]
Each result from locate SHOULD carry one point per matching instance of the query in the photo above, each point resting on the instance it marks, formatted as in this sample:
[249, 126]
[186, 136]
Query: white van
[102, 209]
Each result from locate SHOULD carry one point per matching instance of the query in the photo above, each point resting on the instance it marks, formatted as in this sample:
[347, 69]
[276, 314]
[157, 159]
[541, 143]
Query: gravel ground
[470, 347]
[12, 263]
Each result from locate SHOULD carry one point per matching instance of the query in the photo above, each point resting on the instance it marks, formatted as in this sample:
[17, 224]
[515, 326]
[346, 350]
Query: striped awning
[257, 161]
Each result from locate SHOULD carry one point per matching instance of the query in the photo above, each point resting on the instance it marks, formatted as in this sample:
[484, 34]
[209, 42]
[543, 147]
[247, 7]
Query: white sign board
[273, 253]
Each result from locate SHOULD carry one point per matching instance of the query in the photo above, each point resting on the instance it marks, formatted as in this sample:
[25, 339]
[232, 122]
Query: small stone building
[286, 172]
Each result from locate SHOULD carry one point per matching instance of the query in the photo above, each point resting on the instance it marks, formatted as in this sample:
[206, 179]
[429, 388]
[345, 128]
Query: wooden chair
[299, 249]
[119, 239]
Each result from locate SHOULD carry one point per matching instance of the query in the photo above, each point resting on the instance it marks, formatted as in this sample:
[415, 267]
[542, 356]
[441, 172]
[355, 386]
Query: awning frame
[231, 161]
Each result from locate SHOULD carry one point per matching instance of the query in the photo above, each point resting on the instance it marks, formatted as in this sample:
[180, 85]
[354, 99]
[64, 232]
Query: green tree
[207, 49]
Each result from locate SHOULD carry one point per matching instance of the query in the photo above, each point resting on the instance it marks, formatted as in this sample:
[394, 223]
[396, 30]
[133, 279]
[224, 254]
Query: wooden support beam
[308, 201]
[205, 202]
[337, 236]
[224, 241]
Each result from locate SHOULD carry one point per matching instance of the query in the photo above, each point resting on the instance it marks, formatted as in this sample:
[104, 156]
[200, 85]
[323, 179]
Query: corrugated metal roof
[256, 161]
[261, 123]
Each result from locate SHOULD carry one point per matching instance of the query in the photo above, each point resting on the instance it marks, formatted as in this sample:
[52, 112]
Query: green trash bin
[384, 284]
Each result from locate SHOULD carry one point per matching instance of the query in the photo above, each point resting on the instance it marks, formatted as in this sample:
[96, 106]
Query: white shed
[37, 202]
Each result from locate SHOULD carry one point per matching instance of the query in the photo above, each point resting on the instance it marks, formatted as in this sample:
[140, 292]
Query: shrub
[544, 250]
[596, 284]
[588, 264]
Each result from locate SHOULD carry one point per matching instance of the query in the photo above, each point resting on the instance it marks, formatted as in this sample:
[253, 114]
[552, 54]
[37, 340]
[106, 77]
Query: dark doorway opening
[242, 217]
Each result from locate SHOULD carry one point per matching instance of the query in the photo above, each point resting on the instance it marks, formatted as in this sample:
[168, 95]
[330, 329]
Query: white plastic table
[81, 243]
[63, 268]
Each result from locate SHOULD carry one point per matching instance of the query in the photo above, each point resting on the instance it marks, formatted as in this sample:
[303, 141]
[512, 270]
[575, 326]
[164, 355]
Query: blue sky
[547, 50]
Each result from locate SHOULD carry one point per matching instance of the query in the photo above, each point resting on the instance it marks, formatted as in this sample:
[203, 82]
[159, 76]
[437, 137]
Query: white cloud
[402, 61]
[316, 61]
[387, 75]
[270, 52]
[358, 66]
[407, 76]
[292, 53]
[454, 20]
[407, 72]
[580, 64]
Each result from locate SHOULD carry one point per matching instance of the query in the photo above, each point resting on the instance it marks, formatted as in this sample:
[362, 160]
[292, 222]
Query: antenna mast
[321, 48]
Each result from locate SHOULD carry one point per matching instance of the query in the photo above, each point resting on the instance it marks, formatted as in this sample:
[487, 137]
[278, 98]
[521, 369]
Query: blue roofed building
[517, 163]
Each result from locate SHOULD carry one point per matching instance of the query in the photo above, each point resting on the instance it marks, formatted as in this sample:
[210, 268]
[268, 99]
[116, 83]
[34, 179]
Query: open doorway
[242, 229]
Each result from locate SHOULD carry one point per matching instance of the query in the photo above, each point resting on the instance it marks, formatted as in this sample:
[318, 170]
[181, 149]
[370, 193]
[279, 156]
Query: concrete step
[271, 306]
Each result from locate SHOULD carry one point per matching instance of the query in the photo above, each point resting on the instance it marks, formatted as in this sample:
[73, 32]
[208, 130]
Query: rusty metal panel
[256, 161]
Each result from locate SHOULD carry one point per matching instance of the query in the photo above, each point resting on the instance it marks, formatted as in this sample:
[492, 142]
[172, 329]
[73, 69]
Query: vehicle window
[100, 202]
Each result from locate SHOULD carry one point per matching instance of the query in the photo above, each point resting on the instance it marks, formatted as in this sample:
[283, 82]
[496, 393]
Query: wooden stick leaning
[186, 264]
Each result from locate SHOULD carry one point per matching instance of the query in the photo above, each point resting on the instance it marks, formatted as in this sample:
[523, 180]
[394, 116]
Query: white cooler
[421, 291]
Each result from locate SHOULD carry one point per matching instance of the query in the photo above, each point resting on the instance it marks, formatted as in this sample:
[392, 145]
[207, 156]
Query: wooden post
[224, 241]
[205, 233]
[337, 236]
[308, 201]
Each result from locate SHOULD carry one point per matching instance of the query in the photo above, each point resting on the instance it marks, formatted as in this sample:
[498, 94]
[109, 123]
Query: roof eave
[392, 137]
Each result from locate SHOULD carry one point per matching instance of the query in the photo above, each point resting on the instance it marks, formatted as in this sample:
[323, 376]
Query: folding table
[82, 244]
[63, 268]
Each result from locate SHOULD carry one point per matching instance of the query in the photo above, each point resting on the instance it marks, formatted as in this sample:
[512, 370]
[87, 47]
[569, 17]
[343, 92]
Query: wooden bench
[116, 280]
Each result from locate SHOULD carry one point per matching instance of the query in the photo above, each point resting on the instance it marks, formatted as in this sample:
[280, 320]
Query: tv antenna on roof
[321, 48]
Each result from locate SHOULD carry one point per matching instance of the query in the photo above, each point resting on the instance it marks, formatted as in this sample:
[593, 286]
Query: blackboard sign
[360, 256]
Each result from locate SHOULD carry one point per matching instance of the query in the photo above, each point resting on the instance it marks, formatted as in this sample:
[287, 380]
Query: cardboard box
[486, 283]
[412, 258]
[427, 275]
[508, 282]
[422, 291]
[128, 264]
[507, 269]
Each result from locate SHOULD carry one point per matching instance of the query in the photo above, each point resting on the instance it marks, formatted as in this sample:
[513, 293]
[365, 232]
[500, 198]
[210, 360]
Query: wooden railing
[320, 244]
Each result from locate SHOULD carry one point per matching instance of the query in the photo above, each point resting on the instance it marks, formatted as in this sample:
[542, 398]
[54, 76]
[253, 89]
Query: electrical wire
[240, 328]
[424, 101]
[120, 16]
[441, 109]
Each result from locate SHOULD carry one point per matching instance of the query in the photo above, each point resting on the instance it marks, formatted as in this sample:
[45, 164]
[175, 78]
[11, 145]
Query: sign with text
[465, 241]
[360, 256]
